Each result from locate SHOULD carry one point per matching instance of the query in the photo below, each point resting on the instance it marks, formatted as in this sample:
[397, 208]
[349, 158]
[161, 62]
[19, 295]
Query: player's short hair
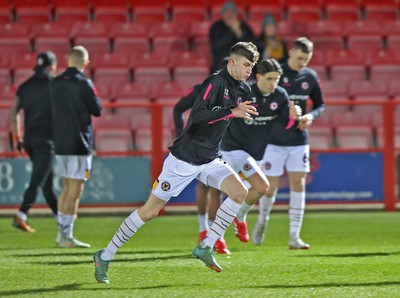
[245, 49]
[78, 55]
[268, 65]
[303, 44]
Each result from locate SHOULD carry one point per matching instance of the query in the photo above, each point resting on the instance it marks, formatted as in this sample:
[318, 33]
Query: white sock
[59, 219]
[297, 204]
[203, 222]
[241, 215]
[224, 217]
[22, 216]
[209, 222]
[67, 225]
[126, 230]
[265, 209]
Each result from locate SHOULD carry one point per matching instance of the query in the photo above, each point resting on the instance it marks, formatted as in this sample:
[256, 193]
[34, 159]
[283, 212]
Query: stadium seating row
[30, 12]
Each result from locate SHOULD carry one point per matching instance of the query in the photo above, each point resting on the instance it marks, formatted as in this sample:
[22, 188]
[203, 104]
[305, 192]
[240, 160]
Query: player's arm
[184, 104]
[318, 107]
[15, 123]
[92, 100]
[205, 108]
[289, 112]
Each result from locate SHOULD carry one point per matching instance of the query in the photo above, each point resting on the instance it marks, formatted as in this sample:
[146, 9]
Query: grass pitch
[351, 255]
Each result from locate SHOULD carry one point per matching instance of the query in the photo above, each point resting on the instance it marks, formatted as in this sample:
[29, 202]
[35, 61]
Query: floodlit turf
[351, 255]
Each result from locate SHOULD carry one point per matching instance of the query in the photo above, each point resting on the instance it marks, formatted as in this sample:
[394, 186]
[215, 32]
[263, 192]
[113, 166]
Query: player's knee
[239, 194]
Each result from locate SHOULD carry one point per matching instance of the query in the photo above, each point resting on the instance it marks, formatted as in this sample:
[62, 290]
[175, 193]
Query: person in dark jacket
[226, 32]
[196, 154]
[33, 98]
[74, 101]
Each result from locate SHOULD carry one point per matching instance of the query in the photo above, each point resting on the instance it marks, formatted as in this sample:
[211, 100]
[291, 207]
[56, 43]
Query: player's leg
[273, 166]
[174, 177]
[39, 172]
[202, 206]
[298, 165]
[75, 170]
[47, 186]
[265, 207]
[215, 197]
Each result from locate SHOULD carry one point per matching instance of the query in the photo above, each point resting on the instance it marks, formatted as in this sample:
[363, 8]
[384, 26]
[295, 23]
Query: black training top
[252, 136]
[34, 95]
[300, 85]
[210, 115]
[74, 100]
[184, 104]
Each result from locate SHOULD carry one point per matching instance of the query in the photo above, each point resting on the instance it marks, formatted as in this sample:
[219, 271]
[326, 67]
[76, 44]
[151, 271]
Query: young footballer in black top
[33, 97]
[74, 101]
[244, 141]
[196, 155]
[288, 148]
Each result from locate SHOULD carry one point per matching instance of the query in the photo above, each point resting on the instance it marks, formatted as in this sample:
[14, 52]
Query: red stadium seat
[369, 90]
[150, 59]
[130, 45]
[354, 137]
[111, 15]
[382, 57]
[126, 107]
[385, 72]
[362, 42]
[186, 58]
[304, 13]
[21, 75]
[320, 137]
[353, 73]
[111, 121]
[130, 90]
[344, 57]
[168, 91]
[7, 91]
[168, 44]
[149, 14]
[335, 89]
[116, 140]
[394, 88]
[189, 13]
[14, 39]
[93, 36]
[324, 28]
[129, 30]
[31, 15]
[140, 117]
[110, 76]
[143, 138]
[199, 29]
[380, 140]
[187, 76]
[151, 76]
[342, 12]
[51, 36]
[349, 118]
[4, 141]
[201, 46]
[380, 12]
[391, 27]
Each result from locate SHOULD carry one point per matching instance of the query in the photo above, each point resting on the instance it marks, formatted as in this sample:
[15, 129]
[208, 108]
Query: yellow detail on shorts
[87, 174]
[243, 176]
[155, 184]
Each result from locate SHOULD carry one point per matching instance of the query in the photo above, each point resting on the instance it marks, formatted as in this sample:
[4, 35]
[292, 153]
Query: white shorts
[75, 166]
[242, 163]
[294, 158]
[177, 174]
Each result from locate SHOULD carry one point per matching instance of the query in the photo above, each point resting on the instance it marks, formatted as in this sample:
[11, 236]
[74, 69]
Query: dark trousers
[42, 156]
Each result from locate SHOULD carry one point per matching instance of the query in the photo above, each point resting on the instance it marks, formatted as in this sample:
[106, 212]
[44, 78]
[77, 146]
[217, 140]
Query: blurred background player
[245, 140]
[208, 199]
[225, 32]
[196, 154]
[74, 100]
[33, 98]
[288, 148]
[270, 44]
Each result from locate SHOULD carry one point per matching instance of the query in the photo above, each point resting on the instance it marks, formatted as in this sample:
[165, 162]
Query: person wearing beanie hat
[227, 31]
[270, 44]
[33, 98]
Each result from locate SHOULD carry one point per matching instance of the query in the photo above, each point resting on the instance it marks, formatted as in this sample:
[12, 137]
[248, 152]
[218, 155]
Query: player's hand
[20, 147]
[305, 121]
[245, 110]
[295, 110]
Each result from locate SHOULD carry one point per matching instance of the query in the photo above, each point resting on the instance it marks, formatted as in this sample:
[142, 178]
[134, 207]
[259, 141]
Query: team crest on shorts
[247, 167]
[267, 165]
[165, 186]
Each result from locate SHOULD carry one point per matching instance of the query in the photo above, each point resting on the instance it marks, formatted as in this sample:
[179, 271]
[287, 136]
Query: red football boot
[241, 230]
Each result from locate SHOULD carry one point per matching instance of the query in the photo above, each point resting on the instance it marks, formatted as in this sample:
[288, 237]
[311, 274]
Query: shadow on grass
[85, 252]
[354, 255]
[330, 285]
[75, 287]
[133, 260]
